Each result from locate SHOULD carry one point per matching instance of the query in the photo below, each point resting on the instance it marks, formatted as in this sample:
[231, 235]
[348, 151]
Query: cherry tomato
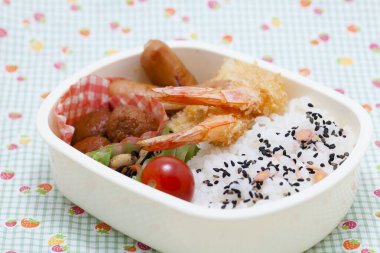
[171, 175]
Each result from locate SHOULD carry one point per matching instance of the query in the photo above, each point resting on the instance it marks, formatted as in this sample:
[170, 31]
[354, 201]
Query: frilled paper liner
[91, 94]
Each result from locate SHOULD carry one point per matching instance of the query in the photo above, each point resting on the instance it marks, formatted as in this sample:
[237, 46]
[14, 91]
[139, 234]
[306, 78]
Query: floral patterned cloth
[42, 42]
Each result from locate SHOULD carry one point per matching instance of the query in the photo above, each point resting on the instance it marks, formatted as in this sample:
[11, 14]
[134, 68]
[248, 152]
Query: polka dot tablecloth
[42, 42]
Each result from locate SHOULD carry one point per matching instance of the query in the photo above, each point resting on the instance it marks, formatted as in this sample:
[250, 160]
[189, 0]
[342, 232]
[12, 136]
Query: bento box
[169, 224]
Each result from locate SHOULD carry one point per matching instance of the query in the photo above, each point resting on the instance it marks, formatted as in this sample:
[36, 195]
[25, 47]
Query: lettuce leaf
[104, 154]
[184, 153]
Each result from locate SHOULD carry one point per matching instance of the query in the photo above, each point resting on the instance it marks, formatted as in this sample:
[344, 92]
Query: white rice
[227, 177]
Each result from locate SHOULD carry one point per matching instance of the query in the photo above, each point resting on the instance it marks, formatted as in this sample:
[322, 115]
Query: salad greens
[184, 153]
[104, 155]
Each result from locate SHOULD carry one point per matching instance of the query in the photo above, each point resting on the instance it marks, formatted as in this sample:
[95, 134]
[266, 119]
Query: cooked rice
[268, 162]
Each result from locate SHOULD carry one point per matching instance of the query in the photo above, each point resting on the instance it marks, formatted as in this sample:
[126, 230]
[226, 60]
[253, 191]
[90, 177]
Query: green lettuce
[184, 153]
[104, 154]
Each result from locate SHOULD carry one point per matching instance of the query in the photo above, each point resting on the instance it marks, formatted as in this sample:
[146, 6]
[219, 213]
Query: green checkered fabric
[336, 43]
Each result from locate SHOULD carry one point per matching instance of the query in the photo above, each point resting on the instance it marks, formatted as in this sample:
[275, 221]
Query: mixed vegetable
[164, 170]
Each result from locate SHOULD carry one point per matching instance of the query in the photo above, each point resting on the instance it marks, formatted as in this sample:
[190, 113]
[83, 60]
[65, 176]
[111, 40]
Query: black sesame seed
[232, 163]
[225, 174]
[310, 105]
[322, 165]
[198, 170]
[237, 192]
[315, 155]
[299, 154]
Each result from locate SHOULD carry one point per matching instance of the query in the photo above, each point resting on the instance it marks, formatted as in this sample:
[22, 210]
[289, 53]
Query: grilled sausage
[163, 67]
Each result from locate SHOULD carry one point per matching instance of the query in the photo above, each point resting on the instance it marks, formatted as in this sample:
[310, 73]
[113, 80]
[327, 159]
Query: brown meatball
[91, 124]
[91, 143]
[129, 121]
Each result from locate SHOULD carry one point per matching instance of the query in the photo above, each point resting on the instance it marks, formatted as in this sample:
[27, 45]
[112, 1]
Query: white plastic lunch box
[169, 224]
